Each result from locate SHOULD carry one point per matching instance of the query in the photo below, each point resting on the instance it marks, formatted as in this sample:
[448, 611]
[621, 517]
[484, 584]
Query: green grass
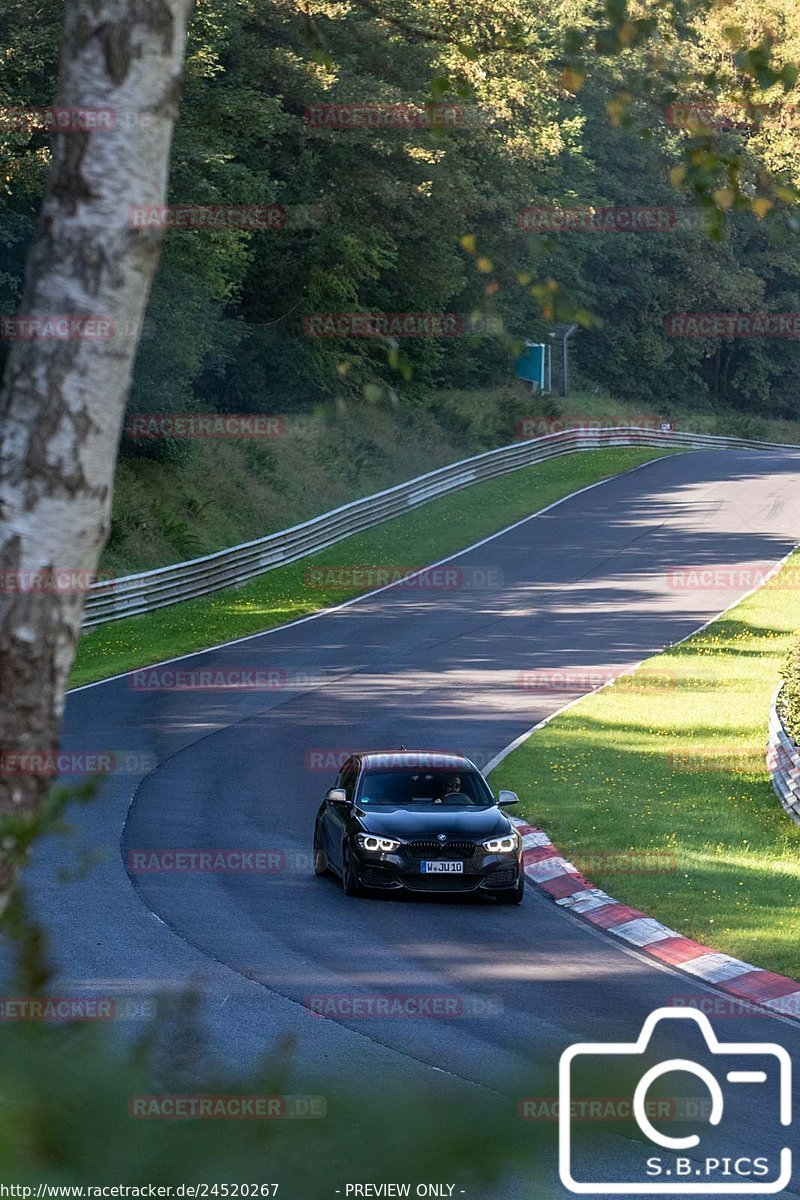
[678, 768]
[206, 495]
[601, 408]
[213, 494]
[436, 529]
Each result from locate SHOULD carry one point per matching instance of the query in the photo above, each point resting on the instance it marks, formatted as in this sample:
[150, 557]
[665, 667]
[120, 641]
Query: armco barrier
[149, 590]
[783, 759]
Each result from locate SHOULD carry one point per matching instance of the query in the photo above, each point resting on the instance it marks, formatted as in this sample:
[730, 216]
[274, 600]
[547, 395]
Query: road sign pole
[567, 336]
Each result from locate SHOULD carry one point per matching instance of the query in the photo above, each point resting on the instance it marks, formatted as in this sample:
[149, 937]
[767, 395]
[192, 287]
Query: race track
[586, 587]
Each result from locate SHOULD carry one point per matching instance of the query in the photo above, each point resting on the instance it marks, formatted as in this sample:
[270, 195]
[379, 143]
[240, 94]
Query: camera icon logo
[762, 1069]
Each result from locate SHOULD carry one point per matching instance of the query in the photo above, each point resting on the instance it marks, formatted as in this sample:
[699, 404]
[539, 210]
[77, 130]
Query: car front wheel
[350, 881]
[513, 895]
[319, 855]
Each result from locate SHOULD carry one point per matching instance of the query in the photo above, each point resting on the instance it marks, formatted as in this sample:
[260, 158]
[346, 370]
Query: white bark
[63, 401]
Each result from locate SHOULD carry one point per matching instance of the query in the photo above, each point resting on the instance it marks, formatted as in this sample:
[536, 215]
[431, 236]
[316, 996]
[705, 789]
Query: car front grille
[446, 850]
[441, 883]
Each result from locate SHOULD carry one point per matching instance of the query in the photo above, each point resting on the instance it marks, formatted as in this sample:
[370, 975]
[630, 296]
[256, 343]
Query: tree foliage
[565, 106]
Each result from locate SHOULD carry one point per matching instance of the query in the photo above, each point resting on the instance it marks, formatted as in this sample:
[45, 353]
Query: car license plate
[442, 867]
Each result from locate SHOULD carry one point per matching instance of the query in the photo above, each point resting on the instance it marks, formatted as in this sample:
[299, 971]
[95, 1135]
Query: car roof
[435, 760]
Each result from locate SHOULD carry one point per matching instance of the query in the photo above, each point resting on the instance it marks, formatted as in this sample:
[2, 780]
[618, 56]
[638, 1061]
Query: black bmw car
[421, 821]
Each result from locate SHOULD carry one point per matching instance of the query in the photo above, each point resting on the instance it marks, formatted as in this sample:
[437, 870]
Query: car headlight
[501, 845]
[370, 841]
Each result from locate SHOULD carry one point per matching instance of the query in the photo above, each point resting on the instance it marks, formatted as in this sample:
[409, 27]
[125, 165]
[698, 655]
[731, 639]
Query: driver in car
[453, 788]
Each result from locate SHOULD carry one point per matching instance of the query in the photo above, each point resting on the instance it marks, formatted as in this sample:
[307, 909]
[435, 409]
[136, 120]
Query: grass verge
[428, 533]
[193, 496]
[663, 777]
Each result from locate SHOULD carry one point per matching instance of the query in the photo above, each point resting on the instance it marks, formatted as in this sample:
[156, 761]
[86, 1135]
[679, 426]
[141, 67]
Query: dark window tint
[442, 789]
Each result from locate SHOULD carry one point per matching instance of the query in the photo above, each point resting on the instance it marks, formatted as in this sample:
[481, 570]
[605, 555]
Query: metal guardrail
[151, 590]
[783, 760]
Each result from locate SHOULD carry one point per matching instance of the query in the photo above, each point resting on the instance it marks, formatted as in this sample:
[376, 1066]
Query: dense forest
[492, 129]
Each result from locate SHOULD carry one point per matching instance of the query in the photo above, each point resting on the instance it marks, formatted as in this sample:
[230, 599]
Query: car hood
[418, 823]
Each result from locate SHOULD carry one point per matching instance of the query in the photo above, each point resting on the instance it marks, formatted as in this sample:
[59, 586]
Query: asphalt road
[586, 588]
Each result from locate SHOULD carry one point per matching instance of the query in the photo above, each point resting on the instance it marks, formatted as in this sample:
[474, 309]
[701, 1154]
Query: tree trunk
[63, 401]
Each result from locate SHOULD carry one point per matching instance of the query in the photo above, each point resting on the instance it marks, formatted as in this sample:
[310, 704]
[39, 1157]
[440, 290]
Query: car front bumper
[483, 872]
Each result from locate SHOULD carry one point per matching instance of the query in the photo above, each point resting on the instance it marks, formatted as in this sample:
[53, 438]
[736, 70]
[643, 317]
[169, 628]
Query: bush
[789, 701]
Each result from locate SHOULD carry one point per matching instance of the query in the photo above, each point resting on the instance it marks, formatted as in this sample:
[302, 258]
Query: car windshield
[401, 789]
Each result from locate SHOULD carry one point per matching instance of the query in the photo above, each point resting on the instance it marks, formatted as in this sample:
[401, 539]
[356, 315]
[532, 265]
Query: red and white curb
[564, 883]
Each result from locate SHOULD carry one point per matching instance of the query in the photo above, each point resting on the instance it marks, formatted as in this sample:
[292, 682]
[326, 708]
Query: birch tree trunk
[62, 405]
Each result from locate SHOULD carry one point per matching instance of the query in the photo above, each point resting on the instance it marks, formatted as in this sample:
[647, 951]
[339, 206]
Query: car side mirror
[337, 796]
[505, 798]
